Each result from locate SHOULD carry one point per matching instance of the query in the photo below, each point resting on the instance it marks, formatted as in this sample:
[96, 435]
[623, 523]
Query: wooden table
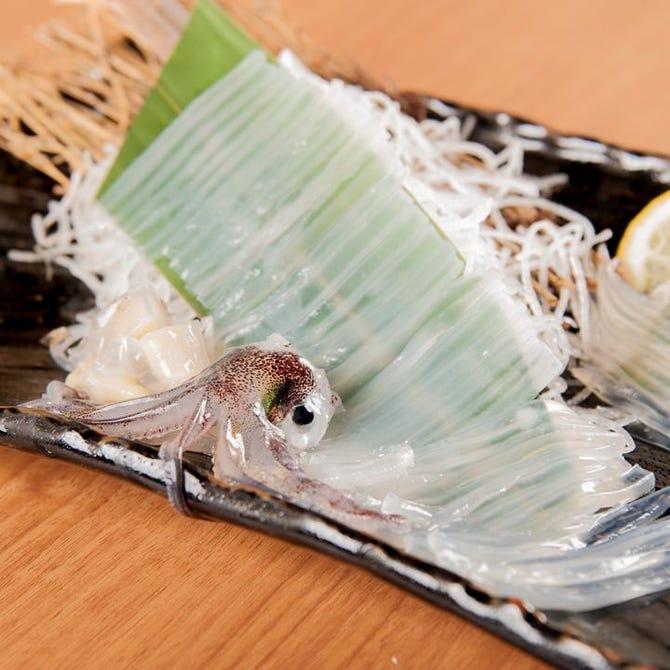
[99, 573]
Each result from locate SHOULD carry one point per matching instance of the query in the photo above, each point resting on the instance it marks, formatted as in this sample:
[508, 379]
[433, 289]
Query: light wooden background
[98, 573]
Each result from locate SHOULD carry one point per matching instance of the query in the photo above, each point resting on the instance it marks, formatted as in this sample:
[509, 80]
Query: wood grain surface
[99, 573]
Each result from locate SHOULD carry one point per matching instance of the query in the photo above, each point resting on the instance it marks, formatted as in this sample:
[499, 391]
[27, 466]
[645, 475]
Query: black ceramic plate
[606, 183]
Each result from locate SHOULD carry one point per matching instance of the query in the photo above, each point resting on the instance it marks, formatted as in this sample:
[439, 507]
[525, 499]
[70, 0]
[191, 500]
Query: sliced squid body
[626, 359]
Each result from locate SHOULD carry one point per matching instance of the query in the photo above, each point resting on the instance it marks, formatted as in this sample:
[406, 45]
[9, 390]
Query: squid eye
[302, 416]
[306, 422]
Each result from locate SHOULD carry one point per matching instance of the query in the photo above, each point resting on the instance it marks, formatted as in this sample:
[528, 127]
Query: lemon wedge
[644, 250]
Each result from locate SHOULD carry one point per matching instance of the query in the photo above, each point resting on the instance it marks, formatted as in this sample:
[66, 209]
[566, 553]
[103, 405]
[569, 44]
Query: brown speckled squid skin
[246, 376]
[230, 386]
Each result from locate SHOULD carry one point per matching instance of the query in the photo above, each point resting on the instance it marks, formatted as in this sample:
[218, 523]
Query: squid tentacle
[72, 408]
[295, 481]
[205, 415]
[156, 416]
[136, 419]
